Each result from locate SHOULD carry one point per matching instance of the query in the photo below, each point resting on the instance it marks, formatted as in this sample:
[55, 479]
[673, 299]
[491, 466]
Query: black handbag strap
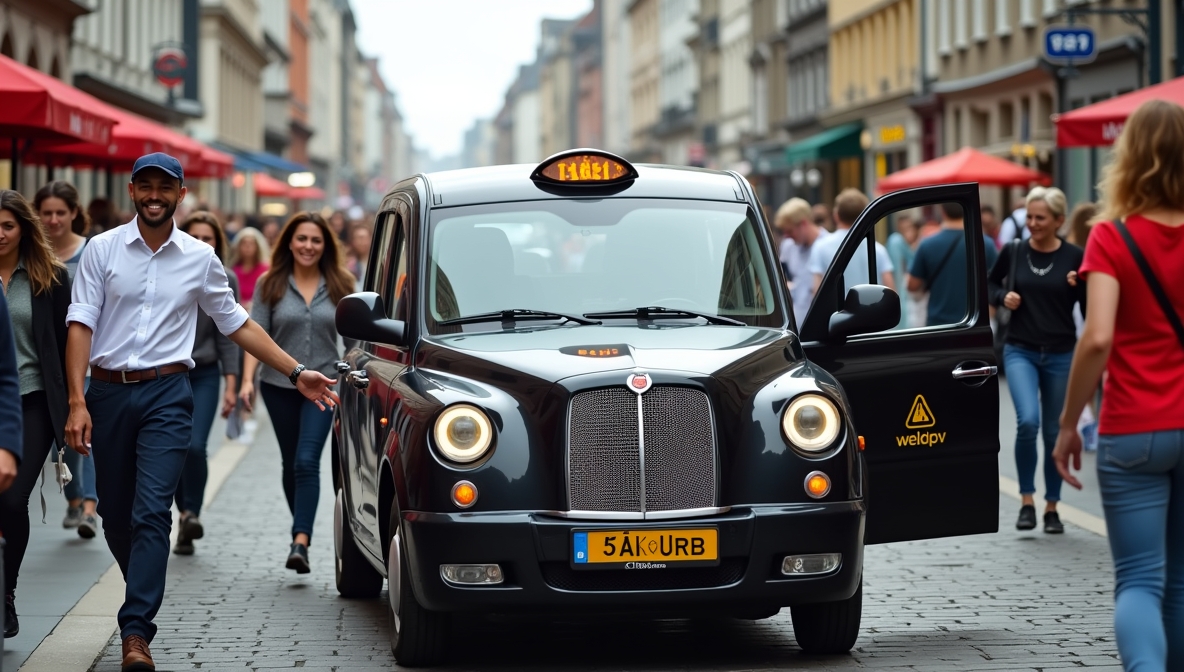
[941, 265]
[1015, 260]
[1149, 275]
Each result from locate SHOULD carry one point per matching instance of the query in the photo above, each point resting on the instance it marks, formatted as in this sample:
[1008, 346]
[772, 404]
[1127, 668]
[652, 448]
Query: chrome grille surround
[636, 456]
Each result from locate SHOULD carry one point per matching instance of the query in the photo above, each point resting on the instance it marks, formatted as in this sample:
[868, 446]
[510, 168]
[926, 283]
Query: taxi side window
[391, 270]
[923, 256]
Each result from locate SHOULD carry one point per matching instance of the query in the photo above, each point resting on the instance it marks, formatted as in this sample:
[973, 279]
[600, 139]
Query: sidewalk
[61, 575]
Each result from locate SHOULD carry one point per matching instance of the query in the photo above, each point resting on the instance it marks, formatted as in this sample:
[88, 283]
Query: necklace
[1039, 271]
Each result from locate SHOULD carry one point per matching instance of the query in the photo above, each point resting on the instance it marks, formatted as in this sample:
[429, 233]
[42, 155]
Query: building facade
[769, 62]
[645, 69]
[678, 80]
[735, 90]
[618, 128]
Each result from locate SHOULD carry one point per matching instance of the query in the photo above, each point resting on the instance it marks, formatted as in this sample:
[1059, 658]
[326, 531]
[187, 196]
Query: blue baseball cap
[162, 161]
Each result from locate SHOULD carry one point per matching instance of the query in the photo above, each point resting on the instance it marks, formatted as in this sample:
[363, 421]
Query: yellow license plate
[645, 549]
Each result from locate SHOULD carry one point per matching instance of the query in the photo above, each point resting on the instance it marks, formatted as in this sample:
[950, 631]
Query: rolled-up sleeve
[218, 300]
[86, 293]
[228, 354]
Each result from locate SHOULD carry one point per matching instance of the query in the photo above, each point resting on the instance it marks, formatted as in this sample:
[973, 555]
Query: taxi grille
[659, 457]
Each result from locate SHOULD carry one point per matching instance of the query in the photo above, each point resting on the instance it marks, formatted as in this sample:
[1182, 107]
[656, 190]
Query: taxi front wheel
[418, 637]
[829, 627]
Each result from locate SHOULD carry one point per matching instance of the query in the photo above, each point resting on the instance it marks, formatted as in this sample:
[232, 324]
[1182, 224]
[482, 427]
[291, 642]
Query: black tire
[356, 577]
[829, 627]
[419, 638]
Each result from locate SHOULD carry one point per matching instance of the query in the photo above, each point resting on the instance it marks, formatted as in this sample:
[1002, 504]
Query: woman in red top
[249, 256]
[1141, 428]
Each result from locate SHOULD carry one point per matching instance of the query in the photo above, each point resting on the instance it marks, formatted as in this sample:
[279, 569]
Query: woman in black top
[1040, 340]
[37, 288]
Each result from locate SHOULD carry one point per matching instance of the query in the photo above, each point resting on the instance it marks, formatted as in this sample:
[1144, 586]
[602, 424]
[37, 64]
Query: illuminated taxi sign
[584, 167]
[617, 350]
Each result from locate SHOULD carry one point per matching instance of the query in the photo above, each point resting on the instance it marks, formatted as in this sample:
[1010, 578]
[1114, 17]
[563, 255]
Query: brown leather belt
[107, 376]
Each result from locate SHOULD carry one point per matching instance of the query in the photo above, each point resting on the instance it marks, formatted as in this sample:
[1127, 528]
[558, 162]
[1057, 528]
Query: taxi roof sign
[584, 167]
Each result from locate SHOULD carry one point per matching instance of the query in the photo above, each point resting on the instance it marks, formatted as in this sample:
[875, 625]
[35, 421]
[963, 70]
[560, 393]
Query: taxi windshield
[590, 257]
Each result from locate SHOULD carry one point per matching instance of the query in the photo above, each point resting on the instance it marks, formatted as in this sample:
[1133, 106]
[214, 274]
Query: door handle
[980, 372]
[358, 379]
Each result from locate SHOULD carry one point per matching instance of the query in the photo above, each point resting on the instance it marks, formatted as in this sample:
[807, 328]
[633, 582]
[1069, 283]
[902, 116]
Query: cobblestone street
[1009, 601]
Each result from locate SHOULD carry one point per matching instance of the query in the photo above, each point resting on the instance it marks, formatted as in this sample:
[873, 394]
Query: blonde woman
[248, 260]
[1039, 343]
[1138, 339]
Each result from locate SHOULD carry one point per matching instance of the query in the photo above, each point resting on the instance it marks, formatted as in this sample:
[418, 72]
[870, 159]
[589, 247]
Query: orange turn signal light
[383, 421]
[464, 494]
[860, 441]
[817, 485]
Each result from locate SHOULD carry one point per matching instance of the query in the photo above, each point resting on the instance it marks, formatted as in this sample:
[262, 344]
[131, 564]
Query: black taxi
[580, 386]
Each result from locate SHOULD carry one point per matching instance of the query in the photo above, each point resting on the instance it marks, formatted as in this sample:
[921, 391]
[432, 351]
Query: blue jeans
[1142, 482]
[301, 429]
[82, 467]
[1037, 381]
[206, 382]
[140, 438]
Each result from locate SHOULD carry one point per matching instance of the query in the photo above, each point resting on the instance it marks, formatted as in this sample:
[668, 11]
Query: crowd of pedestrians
[163, 301]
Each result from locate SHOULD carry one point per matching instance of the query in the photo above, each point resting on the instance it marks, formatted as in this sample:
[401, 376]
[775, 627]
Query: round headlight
[463, 433]
[811, 422]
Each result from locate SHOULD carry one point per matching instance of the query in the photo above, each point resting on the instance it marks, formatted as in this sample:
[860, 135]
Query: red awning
[133, 137]
[269, 187]
[306, 194]
[1098, 125]
[216, 164]
[965, 165]
[42, 107]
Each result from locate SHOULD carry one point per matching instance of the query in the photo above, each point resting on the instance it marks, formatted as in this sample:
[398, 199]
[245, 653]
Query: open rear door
[925, 394]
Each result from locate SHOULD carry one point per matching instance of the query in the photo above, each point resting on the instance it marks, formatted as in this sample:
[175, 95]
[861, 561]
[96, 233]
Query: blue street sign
[1070, 44]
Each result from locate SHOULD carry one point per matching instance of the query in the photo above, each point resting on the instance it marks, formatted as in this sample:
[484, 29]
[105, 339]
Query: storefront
[1117, 70]
[891, 142]
[823, 164]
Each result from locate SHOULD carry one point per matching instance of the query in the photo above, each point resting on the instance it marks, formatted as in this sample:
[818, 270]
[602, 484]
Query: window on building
[1006, 121]
[824, 79]
[809, 86]
[943, 26]
[1027, 13]
[960, 24]
[1002, 20]
[760, 100]
[979, 10]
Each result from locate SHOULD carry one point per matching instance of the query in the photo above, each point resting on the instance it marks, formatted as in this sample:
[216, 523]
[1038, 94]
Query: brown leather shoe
[136, 656]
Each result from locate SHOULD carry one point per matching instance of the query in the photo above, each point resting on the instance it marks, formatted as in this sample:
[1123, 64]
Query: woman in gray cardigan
[295, 302]
[214, 356]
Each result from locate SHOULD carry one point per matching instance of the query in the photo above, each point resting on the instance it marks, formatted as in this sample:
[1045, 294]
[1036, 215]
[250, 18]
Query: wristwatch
[295, 375]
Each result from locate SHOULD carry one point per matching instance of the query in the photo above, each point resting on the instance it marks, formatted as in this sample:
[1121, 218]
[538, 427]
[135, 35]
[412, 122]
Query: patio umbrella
[133, 137]
[1098, 125]
[965, 165]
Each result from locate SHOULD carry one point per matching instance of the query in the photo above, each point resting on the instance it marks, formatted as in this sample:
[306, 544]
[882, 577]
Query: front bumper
[534, 551]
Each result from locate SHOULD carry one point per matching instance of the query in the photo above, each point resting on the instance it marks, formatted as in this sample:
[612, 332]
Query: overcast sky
[450, 61]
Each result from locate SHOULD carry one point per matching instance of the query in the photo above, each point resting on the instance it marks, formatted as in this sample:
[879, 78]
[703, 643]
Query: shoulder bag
[1003, 313]
[1161, 296]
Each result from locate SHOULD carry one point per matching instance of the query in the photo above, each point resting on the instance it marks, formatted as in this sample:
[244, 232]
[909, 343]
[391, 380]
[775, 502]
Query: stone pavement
[1008, 601]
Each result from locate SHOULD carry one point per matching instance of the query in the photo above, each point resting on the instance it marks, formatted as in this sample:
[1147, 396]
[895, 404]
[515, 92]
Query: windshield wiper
[658, 312]
[516, 315]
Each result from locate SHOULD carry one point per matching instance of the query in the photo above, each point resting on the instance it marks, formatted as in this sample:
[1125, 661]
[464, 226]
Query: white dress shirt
[142, 305]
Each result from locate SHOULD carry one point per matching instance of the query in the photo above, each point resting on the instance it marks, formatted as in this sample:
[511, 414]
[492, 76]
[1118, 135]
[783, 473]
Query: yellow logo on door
[919, 415]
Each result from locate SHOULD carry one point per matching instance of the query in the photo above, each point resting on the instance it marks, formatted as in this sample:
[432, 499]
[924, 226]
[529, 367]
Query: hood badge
[639, 382]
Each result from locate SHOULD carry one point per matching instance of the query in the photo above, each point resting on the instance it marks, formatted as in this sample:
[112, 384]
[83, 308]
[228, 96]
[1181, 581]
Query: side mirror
[867, 309]
[362, 317]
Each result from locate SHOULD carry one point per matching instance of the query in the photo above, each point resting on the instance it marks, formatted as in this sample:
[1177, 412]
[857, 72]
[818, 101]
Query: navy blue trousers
[140, 440]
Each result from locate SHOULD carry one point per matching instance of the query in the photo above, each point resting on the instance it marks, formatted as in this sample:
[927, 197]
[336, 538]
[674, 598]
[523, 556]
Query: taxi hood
[554, 353]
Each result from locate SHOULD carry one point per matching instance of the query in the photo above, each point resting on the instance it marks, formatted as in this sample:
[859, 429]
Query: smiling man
[133, 321]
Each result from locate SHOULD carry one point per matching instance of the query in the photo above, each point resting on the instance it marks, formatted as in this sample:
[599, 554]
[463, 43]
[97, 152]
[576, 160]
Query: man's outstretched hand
[318, 389]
